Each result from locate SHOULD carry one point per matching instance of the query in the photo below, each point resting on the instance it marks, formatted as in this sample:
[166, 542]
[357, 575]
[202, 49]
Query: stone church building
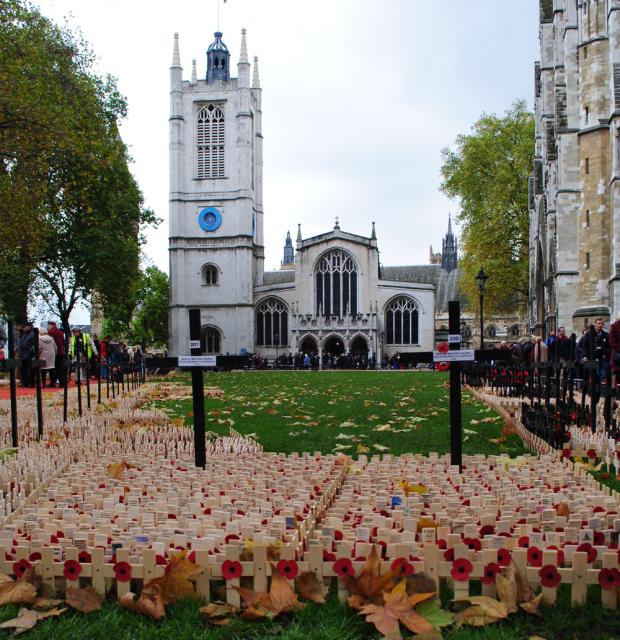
[331, 294]
[575, 187]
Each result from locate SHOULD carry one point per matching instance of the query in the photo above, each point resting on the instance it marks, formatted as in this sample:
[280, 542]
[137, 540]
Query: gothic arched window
[210, 275]
[211, 138]
[491, 331]
[513, 332]
[211, 340]
[336, 284]
[271, 323]
[401, 321]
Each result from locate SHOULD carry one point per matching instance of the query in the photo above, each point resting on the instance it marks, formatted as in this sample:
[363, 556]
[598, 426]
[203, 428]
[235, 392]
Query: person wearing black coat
[25, 350]
[595, 346]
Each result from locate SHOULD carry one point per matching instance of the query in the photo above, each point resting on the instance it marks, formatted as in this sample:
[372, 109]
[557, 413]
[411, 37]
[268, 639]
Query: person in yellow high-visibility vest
[86, 348]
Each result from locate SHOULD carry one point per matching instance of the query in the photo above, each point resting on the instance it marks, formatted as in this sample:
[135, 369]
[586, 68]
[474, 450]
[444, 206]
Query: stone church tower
[216, 200]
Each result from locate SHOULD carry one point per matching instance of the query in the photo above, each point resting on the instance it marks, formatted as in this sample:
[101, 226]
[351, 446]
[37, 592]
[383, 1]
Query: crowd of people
[80, 354]
[301, 360]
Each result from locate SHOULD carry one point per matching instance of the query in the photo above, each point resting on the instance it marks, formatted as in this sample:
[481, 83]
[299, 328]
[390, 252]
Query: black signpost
[454, 343]
[198, 391]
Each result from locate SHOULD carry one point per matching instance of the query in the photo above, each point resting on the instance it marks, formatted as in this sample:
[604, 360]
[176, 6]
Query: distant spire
[449, 224]
[373, 235]
[298, 233]
[243, 56]
[176, 56]
[194, 76]
[289, 254]
[255, 78]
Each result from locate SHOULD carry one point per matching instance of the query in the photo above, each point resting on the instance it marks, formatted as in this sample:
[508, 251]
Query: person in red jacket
[59, 339]
[614, 345]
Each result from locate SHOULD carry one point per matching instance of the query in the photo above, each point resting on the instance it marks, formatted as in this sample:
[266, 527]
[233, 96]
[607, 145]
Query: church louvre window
[211, 340]
[272, 323]
[401, 321]
[210, 275]
[336, 284]
[211, 141]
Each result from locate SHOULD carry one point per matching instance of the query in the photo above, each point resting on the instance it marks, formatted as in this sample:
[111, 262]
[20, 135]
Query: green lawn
[331, 411]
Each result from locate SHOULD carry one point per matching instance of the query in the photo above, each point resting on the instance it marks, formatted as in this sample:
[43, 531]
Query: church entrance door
[308, 345]
[334, 345]
[359, 346]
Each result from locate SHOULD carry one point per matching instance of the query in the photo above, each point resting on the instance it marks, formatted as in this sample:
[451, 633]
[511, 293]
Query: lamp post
[481, 280]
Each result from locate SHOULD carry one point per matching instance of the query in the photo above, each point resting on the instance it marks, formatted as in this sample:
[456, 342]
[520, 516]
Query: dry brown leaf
[506, 585]
[426, 523]
[150, 603]
[563, 509]
[27, 618]
[43, 604]
[536, 638]
[176, 583]
[370, 585]
[218, 613]
[85, 600]
[525, 593]
[281, 598]
[420, 583]
[384, 620]
[533, 605]
[311, 588]
[115, 469]
[402, 606]
[17, 592]
[484, 611]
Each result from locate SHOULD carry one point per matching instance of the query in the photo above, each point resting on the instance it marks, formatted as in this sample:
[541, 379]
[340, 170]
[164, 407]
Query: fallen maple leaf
[85, 600]
[311, 588]
[525, 593]
[506, 585]
[426, 523]
[17, 592]
[176, 583]
[483, 611]
[281, 598]
[44, 604]
[369, 585]
[533, 605]
[402, 605]
[384, 620]
[218, 613]
[115, 469]
[434, 614]
[27, 618]
[150, 603]
[563, 509]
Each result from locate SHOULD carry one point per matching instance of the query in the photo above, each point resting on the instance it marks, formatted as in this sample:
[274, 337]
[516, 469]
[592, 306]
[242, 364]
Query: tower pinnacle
[176, 56]
[255, 78]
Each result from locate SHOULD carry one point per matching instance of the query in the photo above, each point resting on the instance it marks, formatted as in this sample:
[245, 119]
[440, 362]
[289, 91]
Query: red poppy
[461, 569]
[487, 530]
[192, 557]
[566, 453]
[122, 571]
[328, 557]
[401, 567]
[591, 453]
[442, 544]
[549, 576]
[534, 557]
[590, 550]
[448, 554]
[490, 571]
[609, 578]
[443, 347]
[20, 567]
[472, 543]
[599, 538]
[34, 556]
[343, 567]
[72, 569]
[504, 557]
[560, 555]
[442, 366]
[161, 560]
[85, 557]
[523, 542]
[230, 536]
[288, 568]
[231, 569]
[338, 535]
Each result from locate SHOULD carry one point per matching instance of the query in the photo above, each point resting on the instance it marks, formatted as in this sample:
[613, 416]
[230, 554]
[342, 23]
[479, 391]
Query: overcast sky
[359, 97]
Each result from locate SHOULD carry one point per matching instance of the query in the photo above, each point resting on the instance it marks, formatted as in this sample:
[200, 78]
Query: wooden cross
[454, 344]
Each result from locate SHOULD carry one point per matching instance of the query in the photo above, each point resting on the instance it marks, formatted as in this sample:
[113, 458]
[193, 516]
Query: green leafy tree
[487, 171]
[70, 212]
[142, 319]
